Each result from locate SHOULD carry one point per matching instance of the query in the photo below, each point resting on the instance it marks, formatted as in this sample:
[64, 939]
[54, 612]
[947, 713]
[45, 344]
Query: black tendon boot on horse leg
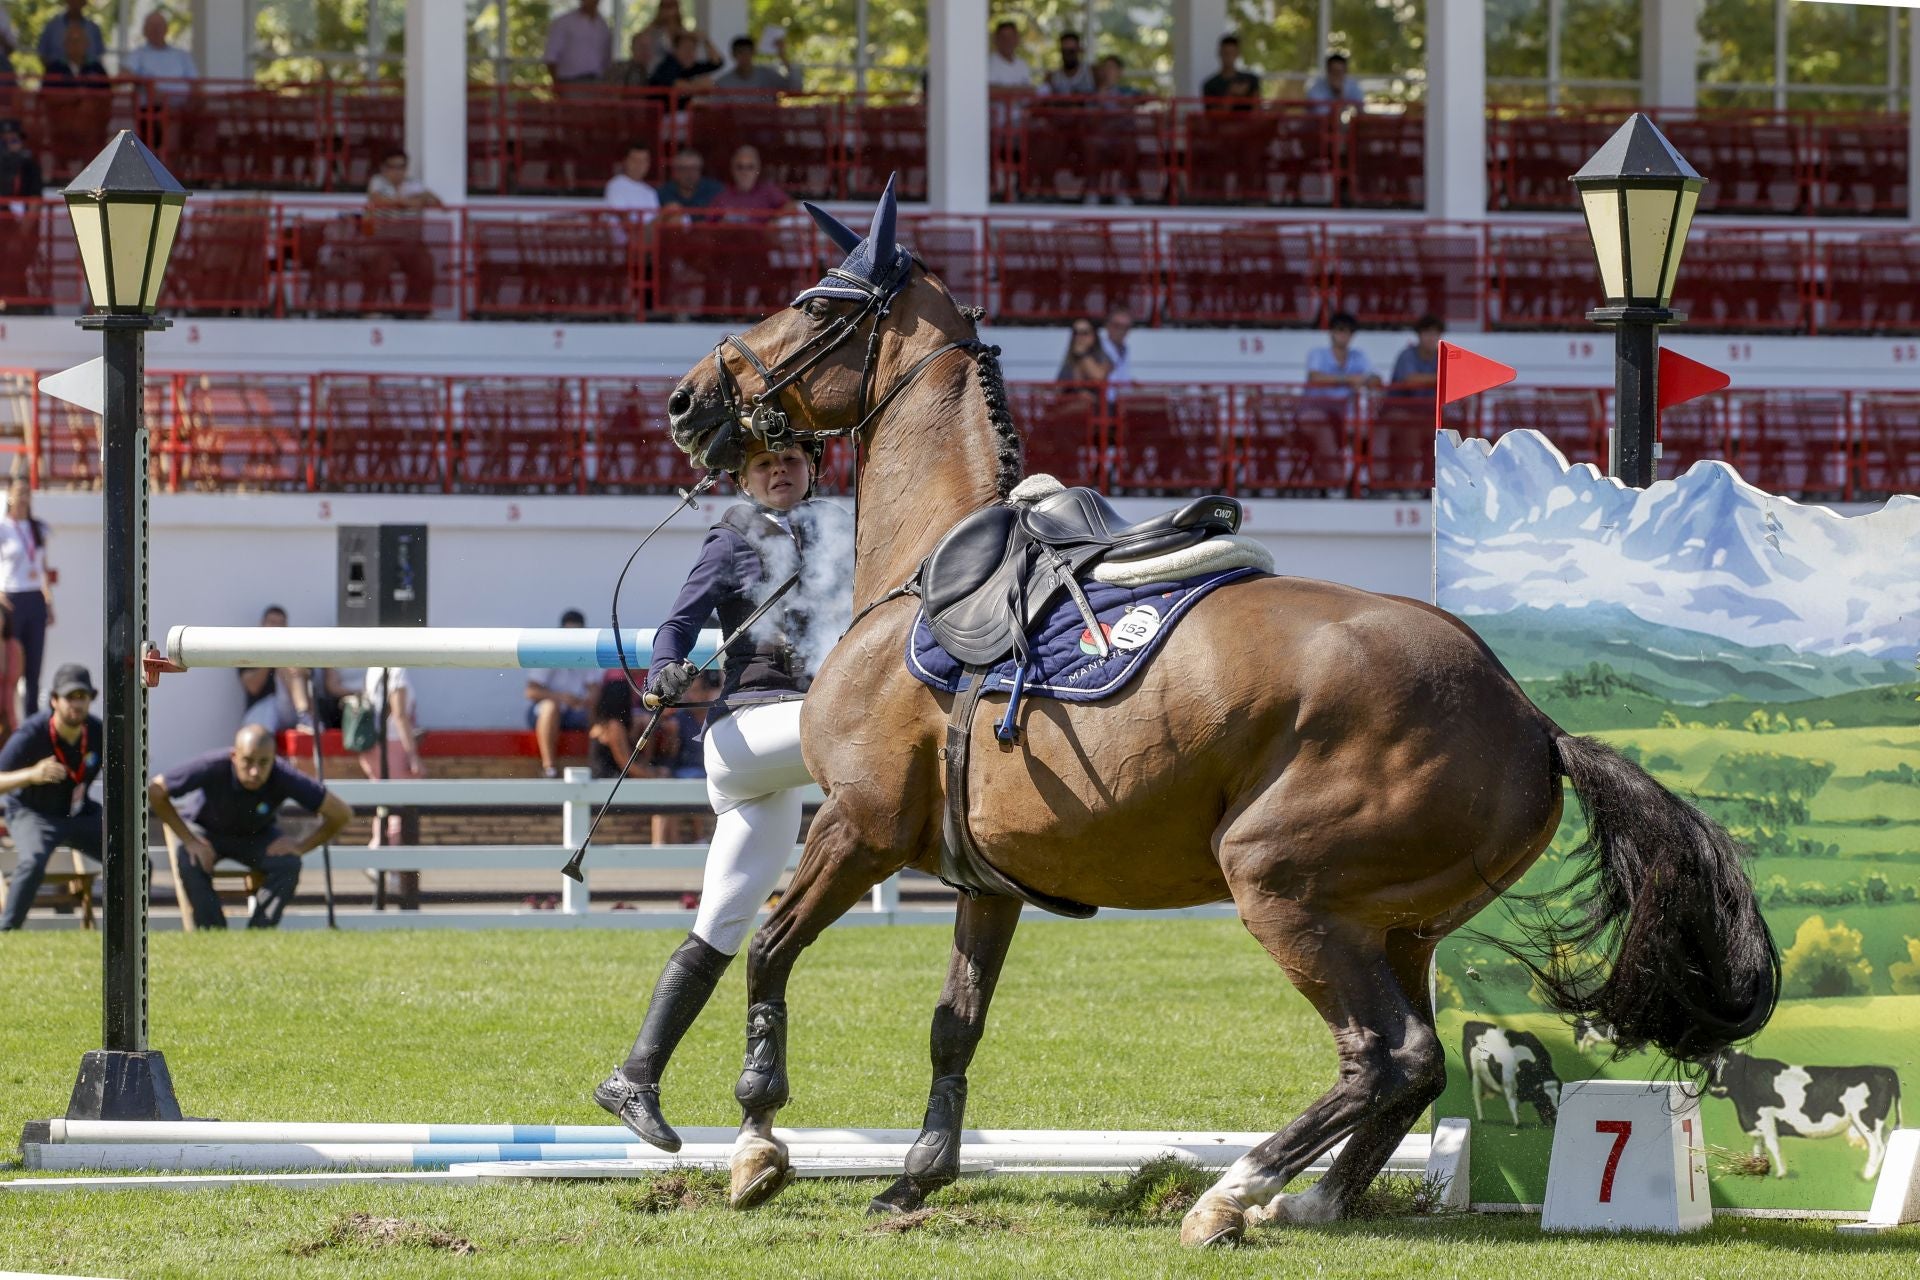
[982, 931]
[684, 987]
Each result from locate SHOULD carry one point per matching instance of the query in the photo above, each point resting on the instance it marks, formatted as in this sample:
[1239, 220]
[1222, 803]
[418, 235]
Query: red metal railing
[523, 140]
[402, 433]
[537, 262]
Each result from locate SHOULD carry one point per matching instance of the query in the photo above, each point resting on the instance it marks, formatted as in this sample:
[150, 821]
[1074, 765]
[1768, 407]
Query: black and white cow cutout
[1774, 1098]
[1512, 1064]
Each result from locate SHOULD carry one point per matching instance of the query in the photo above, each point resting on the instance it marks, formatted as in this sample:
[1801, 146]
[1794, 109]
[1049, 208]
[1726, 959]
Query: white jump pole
[493, 648]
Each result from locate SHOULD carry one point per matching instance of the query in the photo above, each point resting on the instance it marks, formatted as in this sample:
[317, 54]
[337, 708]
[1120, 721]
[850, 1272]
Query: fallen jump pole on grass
[494, 648]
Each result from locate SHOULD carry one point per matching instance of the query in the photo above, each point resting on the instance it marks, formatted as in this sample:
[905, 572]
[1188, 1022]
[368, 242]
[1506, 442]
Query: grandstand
[514, 398]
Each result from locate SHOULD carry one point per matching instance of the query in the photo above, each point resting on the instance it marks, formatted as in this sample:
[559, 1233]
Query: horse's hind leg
[982, 931]
[1390, 1067]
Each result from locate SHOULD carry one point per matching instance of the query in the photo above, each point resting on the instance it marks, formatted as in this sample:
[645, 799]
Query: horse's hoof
[904, 1196]
[758, 1172]
[1213, 1223]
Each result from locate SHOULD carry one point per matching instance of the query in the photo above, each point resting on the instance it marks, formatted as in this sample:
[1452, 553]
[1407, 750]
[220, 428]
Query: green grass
[1109, 1024]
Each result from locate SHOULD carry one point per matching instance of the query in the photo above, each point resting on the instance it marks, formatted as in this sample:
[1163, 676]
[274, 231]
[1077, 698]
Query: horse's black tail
[1659, 933]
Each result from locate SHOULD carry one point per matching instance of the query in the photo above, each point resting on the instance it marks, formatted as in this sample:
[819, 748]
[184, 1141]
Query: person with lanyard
[44, 771]
[28, 584]
[754, 769]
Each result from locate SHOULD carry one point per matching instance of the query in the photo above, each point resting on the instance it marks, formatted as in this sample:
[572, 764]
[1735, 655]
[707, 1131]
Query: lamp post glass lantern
[126, 210]
[1638, 196]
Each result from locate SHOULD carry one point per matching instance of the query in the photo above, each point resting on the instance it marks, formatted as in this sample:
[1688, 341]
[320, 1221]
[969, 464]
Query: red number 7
[1621, 1130]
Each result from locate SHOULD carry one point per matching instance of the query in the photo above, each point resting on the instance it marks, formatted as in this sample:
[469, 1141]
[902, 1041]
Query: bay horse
[1357, 773]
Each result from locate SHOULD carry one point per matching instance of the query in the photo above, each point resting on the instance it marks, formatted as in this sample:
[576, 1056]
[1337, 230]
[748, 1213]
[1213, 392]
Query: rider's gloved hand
[667, 683]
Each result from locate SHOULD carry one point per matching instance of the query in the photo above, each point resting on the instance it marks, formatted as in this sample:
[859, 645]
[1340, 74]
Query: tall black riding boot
[633, 1092]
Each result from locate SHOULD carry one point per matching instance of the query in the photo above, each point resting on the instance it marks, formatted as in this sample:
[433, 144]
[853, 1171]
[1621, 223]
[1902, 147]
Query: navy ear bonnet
[876, 263]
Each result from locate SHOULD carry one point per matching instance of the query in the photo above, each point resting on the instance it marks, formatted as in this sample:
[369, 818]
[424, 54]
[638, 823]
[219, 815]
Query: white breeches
[754, 777]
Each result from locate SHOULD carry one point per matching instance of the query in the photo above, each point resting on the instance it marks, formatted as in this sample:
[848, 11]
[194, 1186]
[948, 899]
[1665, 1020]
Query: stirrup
[1007, 730]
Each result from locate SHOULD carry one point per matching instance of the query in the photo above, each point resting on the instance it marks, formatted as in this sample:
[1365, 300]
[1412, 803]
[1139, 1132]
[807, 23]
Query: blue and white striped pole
[495, 648]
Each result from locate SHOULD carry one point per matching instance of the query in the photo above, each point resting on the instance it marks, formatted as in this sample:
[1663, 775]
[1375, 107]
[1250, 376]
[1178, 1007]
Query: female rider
[754, 770]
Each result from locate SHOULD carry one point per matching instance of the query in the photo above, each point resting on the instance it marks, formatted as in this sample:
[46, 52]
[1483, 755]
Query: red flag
[1682, 379]
[1463, 374]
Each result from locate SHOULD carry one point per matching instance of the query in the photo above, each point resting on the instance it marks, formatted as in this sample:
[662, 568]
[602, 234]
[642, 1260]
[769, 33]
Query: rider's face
[777, 480]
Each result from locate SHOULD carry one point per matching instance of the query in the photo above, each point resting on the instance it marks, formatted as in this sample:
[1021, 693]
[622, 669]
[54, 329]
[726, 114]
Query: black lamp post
[126, 208]
[1638, 195]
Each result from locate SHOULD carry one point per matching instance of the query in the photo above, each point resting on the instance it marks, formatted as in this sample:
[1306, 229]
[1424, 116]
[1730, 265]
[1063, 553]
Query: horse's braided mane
[1008, 453]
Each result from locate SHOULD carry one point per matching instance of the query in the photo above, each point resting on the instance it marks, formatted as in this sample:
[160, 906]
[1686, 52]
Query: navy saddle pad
[1066, 662]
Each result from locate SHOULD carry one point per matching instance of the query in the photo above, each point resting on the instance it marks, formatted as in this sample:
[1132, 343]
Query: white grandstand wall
[512, 562]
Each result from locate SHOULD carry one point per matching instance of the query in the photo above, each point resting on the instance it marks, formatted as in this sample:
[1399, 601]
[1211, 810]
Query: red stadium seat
[1747, 283]
[220, 262]
[732, 266]
[1063, 426]
[798, 138]
[1791, 442]
[1170, 438]
[1060, 270]
[1386, 159]
[1756, 160]
[1690, 433]
[354, 263]
[1531, 155]
[241, 431]
[572, 266]
[1072, 148]
[1291, 442]
[1265, 273]
[488, 150]
[517, 435]
[1541, 279]
[384, 433]
[67, 127]
[571, 144]
[70, 443]
[1886, 455]
[237, 135]
[1872, 284]
[1270, 153]
[1572, 418]
[1394, 276]
[954, 249]
[39, 267]
[628, 448]
[1397, 445]
[885, 138]
[367, 120]
[1860, 164]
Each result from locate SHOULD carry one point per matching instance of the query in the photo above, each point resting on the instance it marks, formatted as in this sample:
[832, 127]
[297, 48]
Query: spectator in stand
[744, 77]
[52, 46]
[1113, 341]
[560, 698]
[751, 191]
[28, 583]
[402, 757]
[653, 42]
[610, 728]
[1337, 372]
[579, 46]
[629, 188]
[1336, 86]
[1416, 371]
[398, 238]
[689, 187]
[156, 59]
[74, 68]
[1232, 80]
[1072, 76]
[44, 771]
[277, 696]
[19, 171]
[635, 71]
[1109, 79]
[1085, 359]
[691, 66]
[230, 808]
[1007, 71]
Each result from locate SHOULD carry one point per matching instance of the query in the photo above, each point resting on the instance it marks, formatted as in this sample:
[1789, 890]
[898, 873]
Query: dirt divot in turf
[673, 1192]
[367, 1229]
[1158, 1190]
[942, 1222]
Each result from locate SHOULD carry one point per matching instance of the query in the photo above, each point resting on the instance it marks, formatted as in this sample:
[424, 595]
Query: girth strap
[962, 865]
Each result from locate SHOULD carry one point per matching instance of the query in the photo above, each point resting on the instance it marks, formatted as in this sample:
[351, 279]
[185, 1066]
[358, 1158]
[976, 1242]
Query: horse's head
[823, 362]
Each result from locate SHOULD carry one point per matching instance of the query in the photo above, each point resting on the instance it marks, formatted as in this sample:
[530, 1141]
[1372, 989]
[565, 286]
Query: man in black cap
[44, 771]
[229, 808]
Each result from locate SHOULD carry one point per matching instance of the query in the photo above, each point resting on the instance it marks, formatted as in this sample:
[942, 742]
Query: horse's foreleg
[982, 931]
[835, 873]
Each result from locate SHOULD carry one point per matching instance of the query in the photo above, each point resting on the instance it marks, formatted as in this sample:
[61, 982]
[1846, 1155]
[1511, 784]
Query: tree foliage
[1825, 962]
[1905, 974]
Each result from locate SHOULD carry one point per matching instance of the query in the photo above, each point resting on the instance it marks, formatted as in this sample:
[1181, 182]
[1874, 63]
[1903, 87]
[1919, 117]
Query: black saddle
[993, 575]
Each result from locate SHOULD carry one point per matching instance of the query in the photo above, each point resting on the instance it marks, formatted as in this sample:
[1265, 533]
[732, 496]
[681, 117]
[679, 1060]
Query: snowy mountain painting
[1706, 569]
